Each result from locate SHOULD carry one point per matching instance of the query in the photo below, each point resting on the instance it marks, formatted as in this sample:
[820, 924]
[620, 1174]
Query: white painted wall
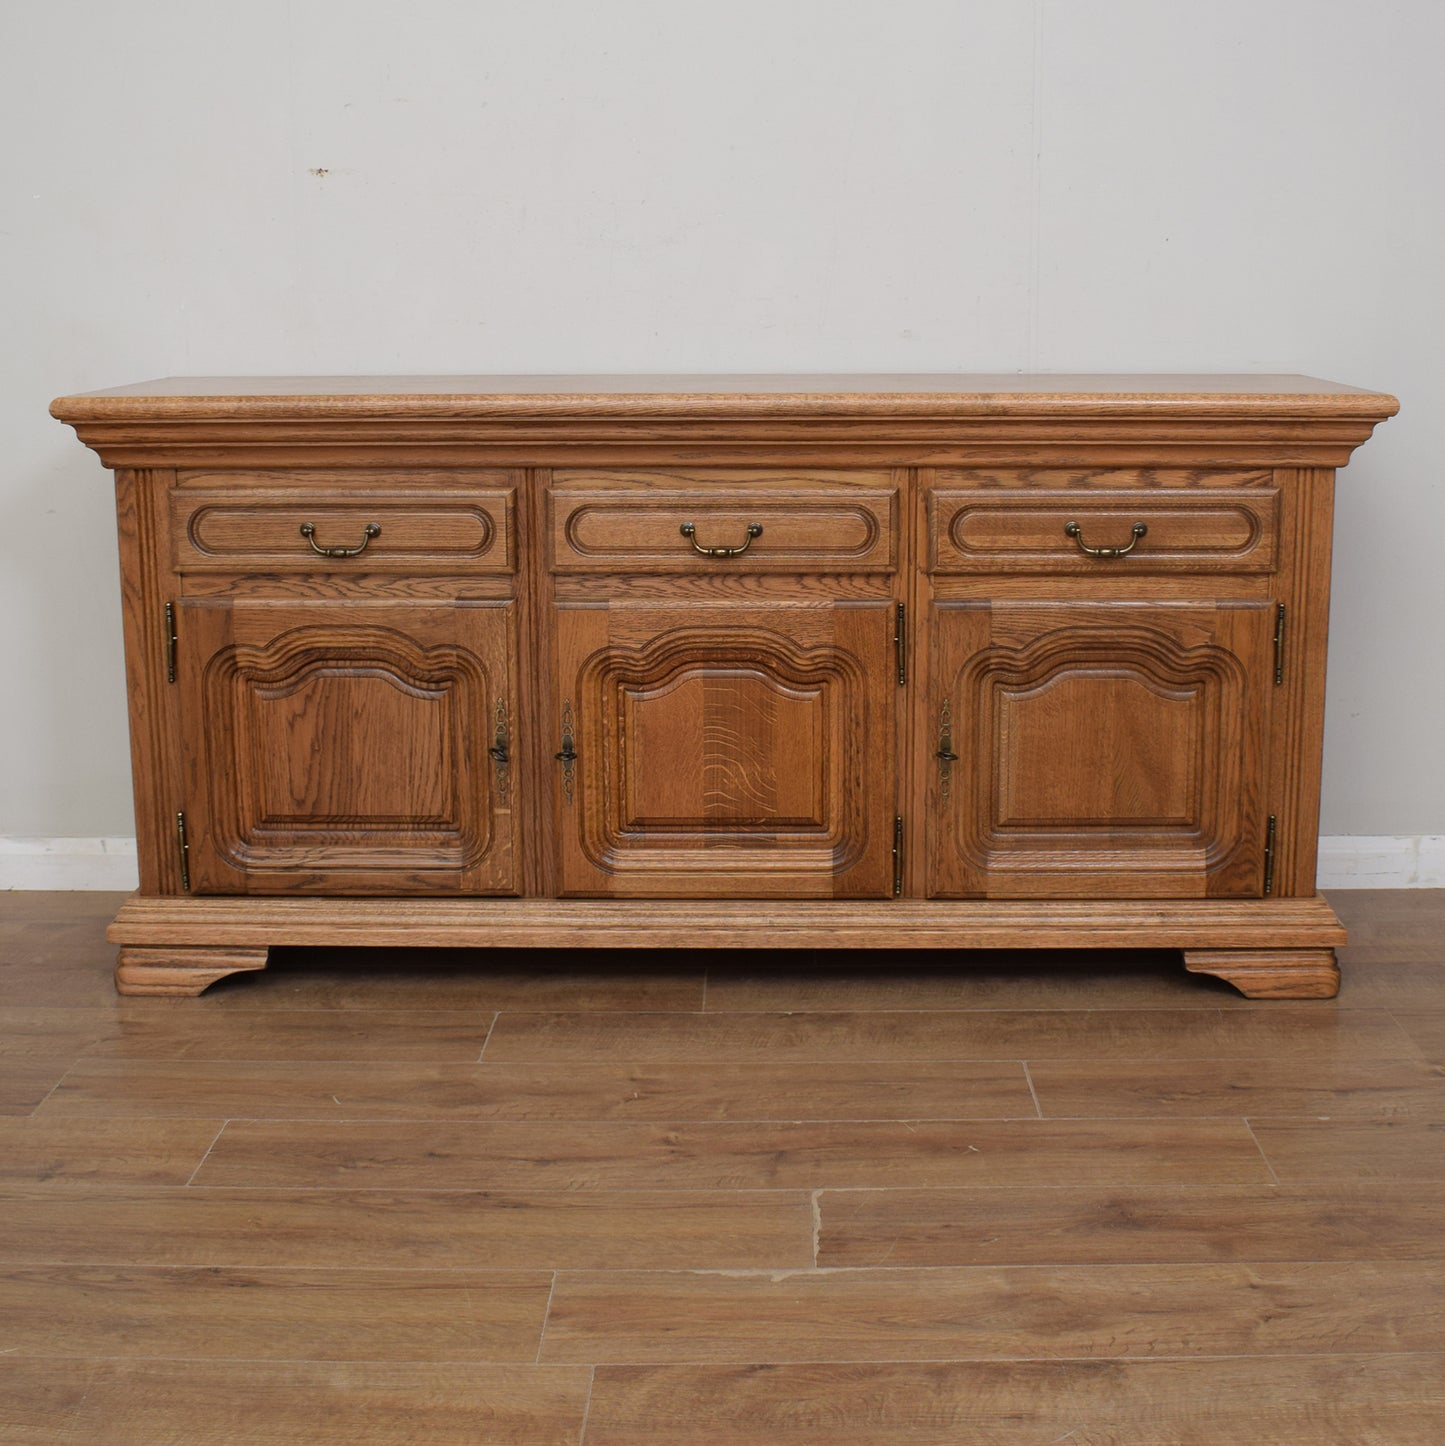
[625, 185]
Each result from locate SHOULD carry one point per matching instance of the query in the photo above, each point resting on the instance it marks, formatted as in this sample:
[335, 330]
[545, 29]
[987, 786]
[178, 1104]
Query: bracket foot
[180, 971]
[1271, 973]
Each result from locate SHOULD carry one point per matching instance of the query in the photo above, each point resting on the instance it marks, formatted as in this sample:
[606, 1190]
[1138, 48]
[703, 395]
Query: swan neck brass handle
[1072, 529]
[689, 531]
[308, 531]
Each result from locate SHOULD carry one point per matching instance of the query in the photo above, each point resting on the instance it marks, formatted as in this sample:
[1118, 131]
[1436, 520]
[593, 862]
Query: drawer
[724, 520]
[1195, 530]
[416, 530]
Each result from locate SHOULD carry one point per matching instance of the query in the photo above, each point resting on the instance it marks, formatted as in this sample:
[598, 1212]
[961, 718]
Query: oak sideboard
[946, 662]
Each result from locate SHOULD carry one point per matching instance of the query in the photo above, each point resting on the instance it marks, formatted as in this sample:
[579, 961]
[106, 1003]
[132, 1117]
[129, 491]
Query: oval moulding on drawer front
[420, 531]
[984, 530]
[816, 521]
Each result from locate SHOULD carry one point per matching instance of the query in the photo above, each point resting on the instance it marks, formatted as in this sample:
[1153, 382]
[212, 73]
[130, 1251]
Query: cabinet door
[342, 747]
[1102, 749]
[726, 750]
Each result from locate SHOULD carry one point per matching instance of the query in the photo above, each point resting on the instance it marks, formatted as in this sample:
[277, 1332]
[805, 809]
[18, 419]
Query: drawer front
[343, 529]
[1196, 530]
[723, 521]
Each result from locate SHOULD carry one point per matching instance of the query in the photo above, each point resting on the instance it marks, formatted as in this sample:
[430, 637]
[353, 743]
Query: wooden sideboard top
[774, 396]
[907, 420]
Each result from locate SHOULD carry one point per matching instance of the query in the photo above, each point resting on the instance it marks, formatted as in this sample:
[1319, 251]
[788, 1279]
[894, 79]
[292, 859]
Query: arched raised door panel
[1103, 750]
[726, 751]
[348, 748]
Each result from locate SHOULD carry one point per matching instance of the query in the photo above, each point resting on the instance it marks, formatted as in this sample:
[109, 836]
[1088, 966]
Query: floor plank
[1286, 1031]
[162, 1029]
[1092, 1225]
[25, 1083]
[49, 906]
[461, 1229]
[263, 1403]
[337, 1315]
[123, 1152]
[430, 1155]
[60, 964]
[1400, 984]
[55, 1034]
[1113, 1088]
[1427, 1028]
[997, 1313]
[1354, 1150]
[39, 1399]
[1356, 1400]
[954, 1090]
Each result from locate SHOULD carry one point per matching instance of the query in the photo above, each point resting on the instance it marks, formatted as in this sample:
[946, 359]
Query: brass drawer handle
[308, 531]
[1072, 529]
[689, 531]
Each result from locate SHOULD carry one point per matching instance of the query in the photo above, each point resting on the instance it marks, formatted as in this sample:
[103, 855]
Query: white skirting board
[1385, 861]
[1347, 861]
[68, 863]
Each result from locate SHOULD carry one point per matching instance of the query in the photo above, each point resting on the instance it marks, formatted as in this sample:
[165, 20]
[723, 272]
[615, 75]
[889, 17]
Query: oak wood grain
[147, 584]
[1344, 1400]
[1295, 418]
[1085, 1224]
[1408, 1148]
[630, 522]
[172, 973]
[407, 1034]
[390, 1155]
[1307, 923]
[397, 701]
[1160, 1034]
[1114, 1088]
[344, 1315]
[1271, 973]
[103, 1151]
[1105, 749]
[776, 726]
[1427, 1028]
[415, 1230]
[375, 1403]
[280, 1089]
[997, 1313]
[24, 1083]
[1189, 529]
[224, 522]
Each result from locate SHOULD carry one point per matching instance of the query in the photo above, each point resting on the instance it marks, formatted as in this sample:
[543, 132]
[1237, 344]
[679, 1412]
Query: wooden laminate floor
[620, 1198]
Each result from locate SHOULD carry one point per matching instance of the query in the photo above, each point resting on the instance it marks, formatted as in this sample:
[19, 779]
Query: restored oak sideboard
[901, 661]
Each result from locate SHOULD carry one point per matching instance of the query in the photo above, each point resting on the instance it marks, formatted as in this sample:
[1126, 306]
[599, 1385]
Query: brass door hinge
[170, 642]
[183, 851]
[1269, 857]
[900, 641]
[898, 856]
[1278, 644]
